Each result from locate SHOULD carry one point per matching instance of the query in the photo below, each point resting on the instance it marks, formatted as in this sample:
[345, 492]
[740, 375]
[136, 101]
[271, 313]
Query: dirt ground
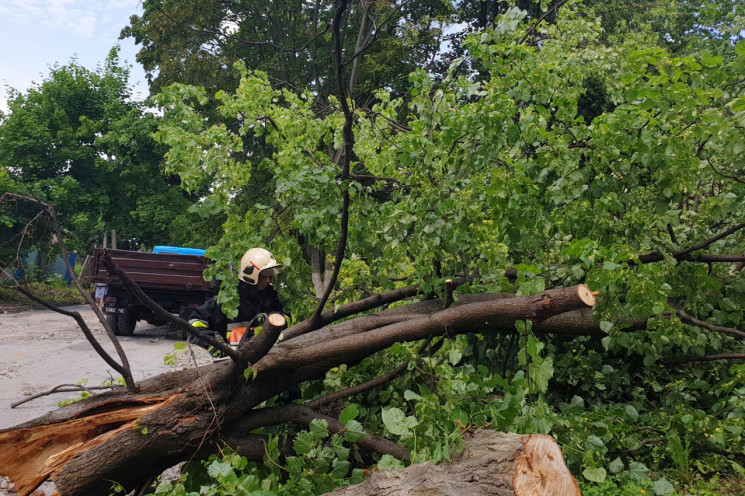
[41, 349]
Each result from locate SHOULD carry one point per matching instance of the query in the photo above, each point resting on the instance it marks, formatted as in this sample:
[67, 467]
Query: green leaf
[594, 443]
[388, 462]
[616, 466]
[454, 357]
[238, 462]
[631, 413]
[411, 395]
[542, 374]
[219, 469]
[349, 413]
[179, 345]
[303, 443]
[340, 469]
[164, 488]
[319, 429]
[711, 60]
[396, 421]
[663, 488]
[250, 373]
[354, 431]
[638, 471]
[728, 305]
[740, 48]
[294, 465]
[594, 474]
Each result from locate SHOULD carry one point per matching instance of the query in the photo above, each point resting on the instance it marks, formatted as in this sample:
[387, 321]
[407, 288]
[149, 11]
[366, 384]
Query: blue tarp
[58, 266]
[178, 250]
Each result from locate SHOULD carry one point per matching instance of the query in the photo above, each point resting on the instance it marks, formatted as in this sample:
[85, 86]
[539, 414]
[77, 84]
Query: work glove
[203, 327]
[199, 324]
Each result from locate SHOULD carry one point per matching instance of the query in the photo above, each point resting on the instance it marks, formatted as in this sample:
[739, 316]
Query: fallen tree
[129, 437]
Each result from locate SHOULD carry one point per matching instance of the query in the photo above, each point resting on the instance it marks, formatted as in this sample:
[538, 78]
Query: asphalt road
[41, 349]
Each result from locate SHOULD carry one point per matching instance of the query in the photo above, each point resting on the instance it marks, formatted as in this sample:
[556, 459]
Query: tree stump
[492, 464]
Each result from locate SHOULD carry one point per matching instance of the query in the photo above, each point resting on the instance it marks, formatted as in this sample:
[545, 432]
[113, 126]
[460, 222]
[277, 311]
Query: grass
[54, 292]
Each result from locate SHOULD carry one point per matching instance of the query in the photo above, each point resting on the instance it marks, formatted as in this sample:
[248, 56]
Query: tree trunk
[492, 464]
[129, 437]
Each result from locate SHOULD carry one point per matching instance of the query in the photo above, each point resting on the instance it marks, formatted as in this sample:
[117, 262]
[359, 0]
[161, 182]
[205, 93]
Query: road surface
[41, 349]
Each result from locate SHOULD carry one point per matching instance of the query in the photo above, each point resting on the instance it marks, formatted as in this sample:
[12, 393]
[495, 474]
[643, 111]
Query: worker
[257, 298]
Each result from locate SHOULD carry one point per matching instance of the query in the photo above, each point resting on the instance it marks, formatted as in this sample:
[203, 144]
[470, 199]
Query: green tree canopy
[198, 43]
[78, 141]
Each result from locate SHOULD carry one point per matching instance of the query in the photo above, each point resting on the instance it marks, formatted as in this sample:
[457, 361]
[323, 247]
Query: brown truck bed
[155, 270]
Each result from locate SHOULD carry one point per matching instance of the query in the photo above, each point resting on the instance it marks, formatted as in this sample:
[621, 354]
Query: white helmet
[257, 261]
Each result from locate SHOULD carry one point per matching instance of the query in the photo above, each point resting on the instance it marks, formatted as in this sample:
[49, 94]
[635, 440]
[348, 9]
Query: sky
[36, 34]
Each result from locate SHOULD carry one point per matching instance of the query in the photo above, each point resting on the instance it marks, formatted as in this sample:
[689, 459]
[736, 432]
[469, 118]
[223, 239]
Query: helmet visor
[270, 272]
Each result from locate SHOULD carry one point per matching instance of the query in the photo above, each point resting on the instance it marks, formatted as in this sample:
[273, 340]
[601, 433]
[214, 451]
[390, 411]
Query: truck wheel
[113, 320]
[127, 322]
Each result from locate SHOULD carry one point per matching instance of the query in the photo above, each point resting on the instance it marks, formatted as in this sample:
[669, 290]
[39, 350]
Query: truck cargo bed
[156, 271]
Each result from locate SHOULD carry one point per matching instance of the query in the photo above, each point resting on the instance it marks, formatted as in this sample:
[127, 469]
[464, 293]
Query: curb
[23, 308]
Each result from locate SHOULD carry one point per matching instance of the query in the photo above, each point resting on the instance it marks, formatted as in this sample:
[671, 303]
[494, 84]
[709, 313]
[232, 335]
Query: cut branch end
[587, 296]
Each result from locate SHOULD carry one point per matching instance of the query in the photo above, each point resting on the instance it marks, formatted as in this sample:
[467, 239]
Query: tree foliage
[610, 157]
[198, 44]
[77, 140]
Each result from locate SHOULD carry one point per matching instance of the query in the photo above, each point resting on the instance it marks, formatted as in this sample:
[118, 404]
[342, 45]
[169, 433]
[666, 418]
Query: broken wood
[32, 454]
[492, 464]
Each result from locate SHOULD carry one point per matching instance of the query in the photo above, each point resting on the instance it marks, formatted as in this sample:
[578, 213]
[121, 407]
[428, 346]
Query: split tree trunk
[492, 464]
[131, 437]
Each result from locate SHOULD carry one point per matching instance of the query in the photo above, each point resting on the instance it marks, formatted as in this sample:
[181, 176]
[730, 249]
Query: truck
[172, 276]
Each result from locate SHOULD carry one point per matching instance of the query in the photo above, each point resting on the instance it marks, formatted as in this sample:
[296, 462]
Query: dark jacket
[252, 303]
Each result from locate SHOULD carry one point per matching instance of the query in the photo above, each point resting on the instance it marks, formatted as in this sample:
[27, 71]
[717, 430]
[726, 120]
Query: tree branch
[394, 124]
[705, 358]
[722, 174]
[374, 37]
[254, 349]
[686, 255]
[711, 240]
[62, 388]
[700, 323]
[474, 317]
[371, 384]
[303, 415]
[532, 28]
[83, 327]
[344, 158]
[733, 83]
[354, 308]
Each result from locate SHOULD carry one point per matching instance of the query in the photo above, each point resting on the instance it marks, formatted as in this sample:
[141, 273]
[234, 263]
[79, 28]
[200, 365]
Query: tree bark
[130, 437]
[492, 464]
